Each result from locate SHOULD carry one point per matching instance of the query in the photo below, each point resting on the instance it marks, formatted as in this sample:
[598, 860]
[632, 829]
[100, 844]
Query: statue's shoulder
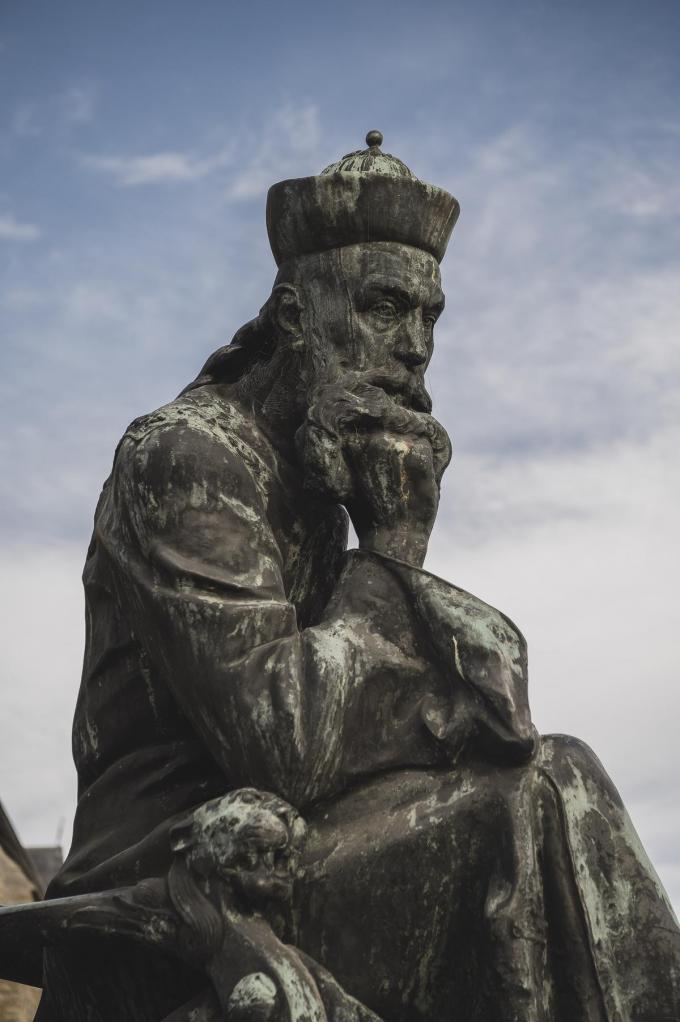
[203, 411]
[198, 429]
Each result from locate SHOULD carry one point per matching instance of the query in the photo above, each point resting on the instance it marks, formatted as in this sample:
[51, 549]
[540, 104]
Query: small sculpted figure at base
[309, 784]
[235, 859]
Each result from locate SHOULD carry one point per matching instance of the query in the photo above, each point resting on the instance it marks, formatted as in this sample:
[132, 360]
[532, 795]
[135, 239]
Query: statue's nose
[411, 347]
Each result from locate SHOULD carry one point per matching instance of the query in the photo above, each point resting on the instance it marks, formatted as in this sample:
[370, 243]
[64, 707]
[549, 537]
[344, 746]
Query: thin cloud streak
[289, 140]
[157, 168]
[12, 229]
[68, 110]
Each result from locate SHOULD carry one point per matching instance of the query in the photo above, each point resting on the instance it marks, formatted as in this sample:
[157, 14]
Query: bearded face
[368, 317]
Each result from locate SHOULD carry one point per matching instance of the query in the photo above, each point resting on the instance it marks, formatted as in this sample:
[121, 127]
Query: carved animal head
[250, 838]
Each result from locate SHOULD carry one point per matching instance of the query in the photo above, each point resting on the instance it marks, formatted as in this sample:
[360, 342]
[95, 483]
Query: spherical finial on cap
[369, 161]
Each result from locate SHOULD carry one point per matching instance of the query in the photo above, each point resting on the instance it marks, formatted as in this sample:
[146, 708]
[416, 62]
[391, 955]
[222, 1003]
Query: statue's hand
[395, 494]
[251, 838]
[384, 462]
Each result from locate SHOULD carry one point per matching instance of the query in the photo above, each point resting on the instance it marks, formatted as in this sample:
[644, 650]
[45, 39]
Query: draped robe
[459, 867]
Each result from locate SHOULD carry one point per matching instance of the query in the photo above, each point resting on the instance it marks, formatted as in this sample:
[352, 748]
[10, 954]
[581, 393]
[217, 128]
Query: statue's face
[373, 307]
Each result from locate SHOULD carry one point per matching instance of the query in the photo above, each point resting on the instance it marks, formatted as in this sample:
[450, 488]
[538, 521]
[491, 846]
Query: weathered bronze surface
[310, 787]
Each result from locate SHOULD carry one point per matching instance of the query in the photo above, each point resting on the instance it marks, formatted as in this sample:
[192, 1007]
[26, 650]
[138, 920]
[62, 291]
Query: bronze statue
[457, 867]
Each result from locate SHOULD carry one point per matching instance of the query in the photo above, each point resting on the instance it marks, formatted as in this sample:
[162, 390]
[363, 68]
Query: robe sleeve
[197, 569]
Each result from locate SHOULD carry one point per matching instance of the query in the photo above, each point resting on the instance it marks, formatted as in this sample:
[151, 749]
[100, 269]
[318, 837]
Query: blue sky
[137, 145]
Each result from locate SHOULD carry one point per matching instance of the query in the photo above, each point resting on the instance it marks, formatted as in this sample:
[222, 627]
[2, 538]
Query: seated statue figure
[457, 866]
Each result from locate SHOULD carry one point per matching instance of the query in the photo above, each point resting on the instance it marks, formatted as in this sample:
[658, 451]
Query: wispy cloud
[12, 229]
[59, 115]
[157, 168]
[643, 194]
[563, 329]
[287, 144]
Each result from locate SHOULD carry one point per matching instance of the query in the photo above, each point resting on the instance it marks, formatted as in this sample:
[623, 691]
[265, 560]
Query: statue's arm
[485, 656]
[198, 568]
[385, 464]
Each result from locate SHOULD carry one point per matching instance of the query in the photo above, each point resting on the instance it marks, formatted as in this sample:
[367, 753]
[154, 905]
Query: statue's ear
[285, 310]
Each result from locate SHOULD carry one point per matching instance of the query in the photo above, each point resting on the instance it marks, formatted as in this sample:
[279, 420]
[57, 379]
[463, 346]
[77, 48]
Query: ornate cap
[370, 161]
[368, 195]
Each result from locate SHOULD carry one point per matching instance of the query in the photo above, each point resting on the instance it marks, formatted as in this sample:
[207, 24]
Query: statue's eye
[430, 320]
[386, 308]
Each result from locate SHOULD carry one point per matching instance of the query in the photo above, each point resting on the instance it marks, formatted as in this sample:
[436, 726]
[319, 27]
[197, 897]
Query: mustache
[404, 386]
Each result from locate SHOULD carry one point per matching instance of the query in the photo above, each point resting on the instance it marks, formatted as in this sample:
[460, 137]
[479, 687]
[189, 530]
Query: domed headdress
[366, 196]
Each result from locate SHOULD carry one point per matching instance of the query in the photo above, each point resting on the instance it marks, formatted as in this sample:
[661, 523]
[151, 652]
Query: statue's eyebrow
[393, 288]
[436, 305]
